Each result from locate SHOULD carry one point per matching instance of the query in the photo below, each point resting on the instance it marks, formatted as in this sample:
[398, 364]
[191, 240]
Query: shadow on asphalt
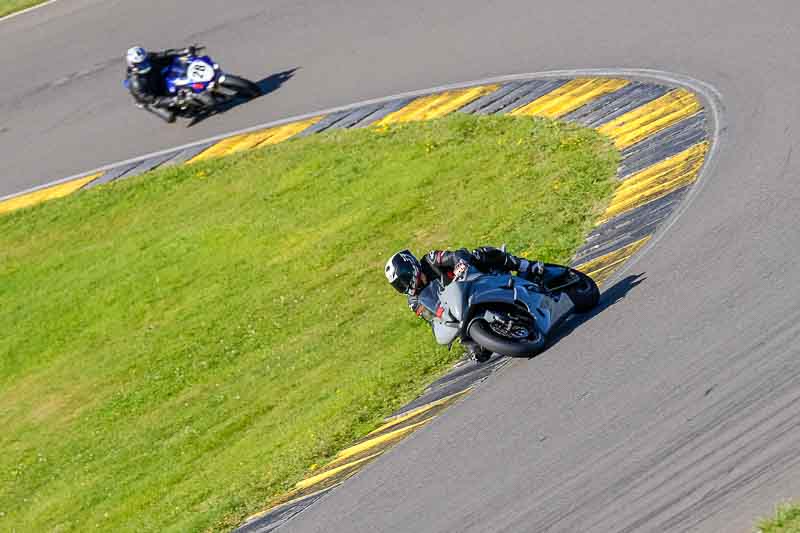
[273, 82]
[268, 85]
[609, 297]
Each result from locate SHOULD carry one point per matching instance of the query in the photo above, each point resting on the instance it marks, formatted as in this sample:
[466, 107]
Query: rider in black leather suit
[146, 83]
[410, 276]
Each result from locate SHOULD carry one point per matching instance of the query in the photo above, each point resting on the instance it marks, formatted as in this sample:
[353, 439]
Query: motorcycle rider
[146, 83]
[408, 275]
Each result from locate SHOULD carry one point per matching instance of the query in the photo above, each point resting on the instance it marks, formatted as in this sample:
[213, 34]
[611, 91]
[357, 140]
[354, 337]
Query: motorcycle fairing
[469, 298]
[178, 75]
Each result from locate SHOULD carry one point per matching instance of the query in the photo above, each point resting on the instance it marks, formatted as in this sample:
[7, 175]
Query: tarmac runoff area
[667, 129]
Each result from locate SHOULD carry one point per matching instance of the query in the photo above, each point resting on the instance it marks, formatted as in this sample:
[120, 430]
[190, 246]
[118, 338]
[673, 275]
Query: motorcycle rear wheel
[242, 86]
[482, 333]
[207, 100]
[584, 294]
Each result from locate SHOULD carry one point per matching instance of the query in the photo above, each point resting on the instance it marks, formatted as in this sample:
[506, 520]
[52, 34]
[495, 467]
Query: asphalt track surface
[676, 408]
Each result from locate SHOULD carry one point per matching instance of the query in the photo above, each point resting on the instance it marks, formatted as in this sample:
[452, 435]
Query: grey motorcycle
[503, 313]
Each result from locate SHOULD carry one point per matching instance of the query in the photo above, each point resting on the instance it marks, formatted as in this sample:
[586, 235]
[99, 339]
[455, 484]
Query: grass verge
[786, 520]
[179, 348]
[11, 6]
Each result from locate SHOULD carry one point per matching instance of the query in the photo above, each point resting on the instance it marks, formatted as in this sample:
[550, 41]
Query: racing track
[675, 409]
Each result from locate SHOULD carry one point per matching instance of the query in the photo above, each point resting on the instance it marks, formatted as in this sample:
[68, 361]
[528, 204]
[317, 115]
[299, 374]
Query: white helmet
[137, 58]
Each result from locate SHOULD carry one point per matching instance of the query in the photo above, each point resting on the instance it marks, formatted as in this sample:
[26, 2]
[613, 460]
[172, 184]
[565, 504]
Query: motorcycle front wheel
[241, 86]
[481, 332]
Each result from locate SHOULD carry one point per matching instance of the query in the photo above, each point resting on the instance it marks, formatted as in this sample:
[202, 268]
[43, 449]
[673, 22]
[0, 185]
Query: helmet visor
[399, 285]
[413, 287]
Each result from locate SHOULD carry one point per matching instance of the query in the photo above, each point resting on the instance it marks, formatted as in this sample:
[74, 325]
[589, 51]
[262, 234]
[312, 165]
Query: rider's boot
[477, 352]
[532, 271]
[207, 100]
[164, 114]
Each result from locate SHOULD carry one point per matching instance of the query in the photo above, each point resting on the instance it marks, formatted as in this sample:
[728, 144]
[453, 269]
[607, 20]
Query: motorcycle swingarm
[564, 286]
[482, 315]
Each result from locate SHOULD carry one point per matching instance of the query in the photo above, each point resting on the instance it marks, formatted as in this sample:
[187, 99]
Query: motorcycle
[506, 314]
[200, 84]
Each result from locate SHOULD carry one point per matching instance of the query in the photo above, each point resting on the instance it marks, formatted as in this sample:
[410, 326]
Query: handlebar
[190, 50]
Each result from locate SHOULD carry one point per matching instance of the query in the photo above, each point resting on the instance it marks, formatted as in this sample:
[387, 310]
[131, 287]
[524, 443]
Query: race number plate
[200, 72]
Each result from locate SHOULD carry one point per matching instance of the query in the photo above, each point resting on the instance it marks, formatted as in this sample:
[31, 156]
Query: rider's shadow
[268, 85]
[609, 297]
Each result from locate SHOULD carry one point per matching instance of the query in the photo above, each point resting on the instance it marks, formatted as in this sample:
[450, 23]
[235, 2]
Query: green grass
[10, 6]
[787, 520]
[179, 348]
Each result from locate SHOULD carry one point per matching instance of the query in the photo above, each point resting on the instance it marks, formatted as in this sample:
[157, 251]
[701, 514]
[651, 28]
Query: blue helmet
[137, 59]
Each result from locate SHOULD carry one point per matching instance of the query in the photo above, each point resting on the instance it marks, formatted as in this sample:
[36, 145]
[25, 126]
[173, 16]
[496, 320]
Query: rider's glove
[489, 255]
[533, 268]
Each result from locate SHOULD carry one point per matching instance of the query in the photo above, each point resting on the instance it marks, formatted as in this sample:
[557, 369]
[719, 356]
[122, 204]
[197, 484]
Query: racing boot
[166, 115]
[532, 271]
[477, 352]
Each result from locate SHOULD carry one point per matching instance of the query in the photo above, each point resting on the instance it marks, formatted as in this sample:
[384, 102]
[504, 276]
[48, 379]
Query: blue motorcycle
[200, 85]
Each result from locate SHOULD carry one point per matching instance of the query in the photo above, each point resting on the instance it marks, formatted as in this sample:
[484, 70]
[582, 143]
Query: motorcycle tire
[207, 100]
[584, 294]
[242, 86]
[482, 333]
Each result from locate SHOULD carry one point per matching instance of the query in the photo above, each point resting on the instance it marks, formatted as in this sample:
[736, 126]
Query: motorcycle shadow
[268, 85]
[609, 297]
[273, 82]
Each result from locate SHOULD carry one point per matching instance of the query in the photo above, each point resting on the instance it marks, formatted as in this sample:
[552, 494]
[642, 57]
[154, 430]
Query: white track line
[32, 8]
